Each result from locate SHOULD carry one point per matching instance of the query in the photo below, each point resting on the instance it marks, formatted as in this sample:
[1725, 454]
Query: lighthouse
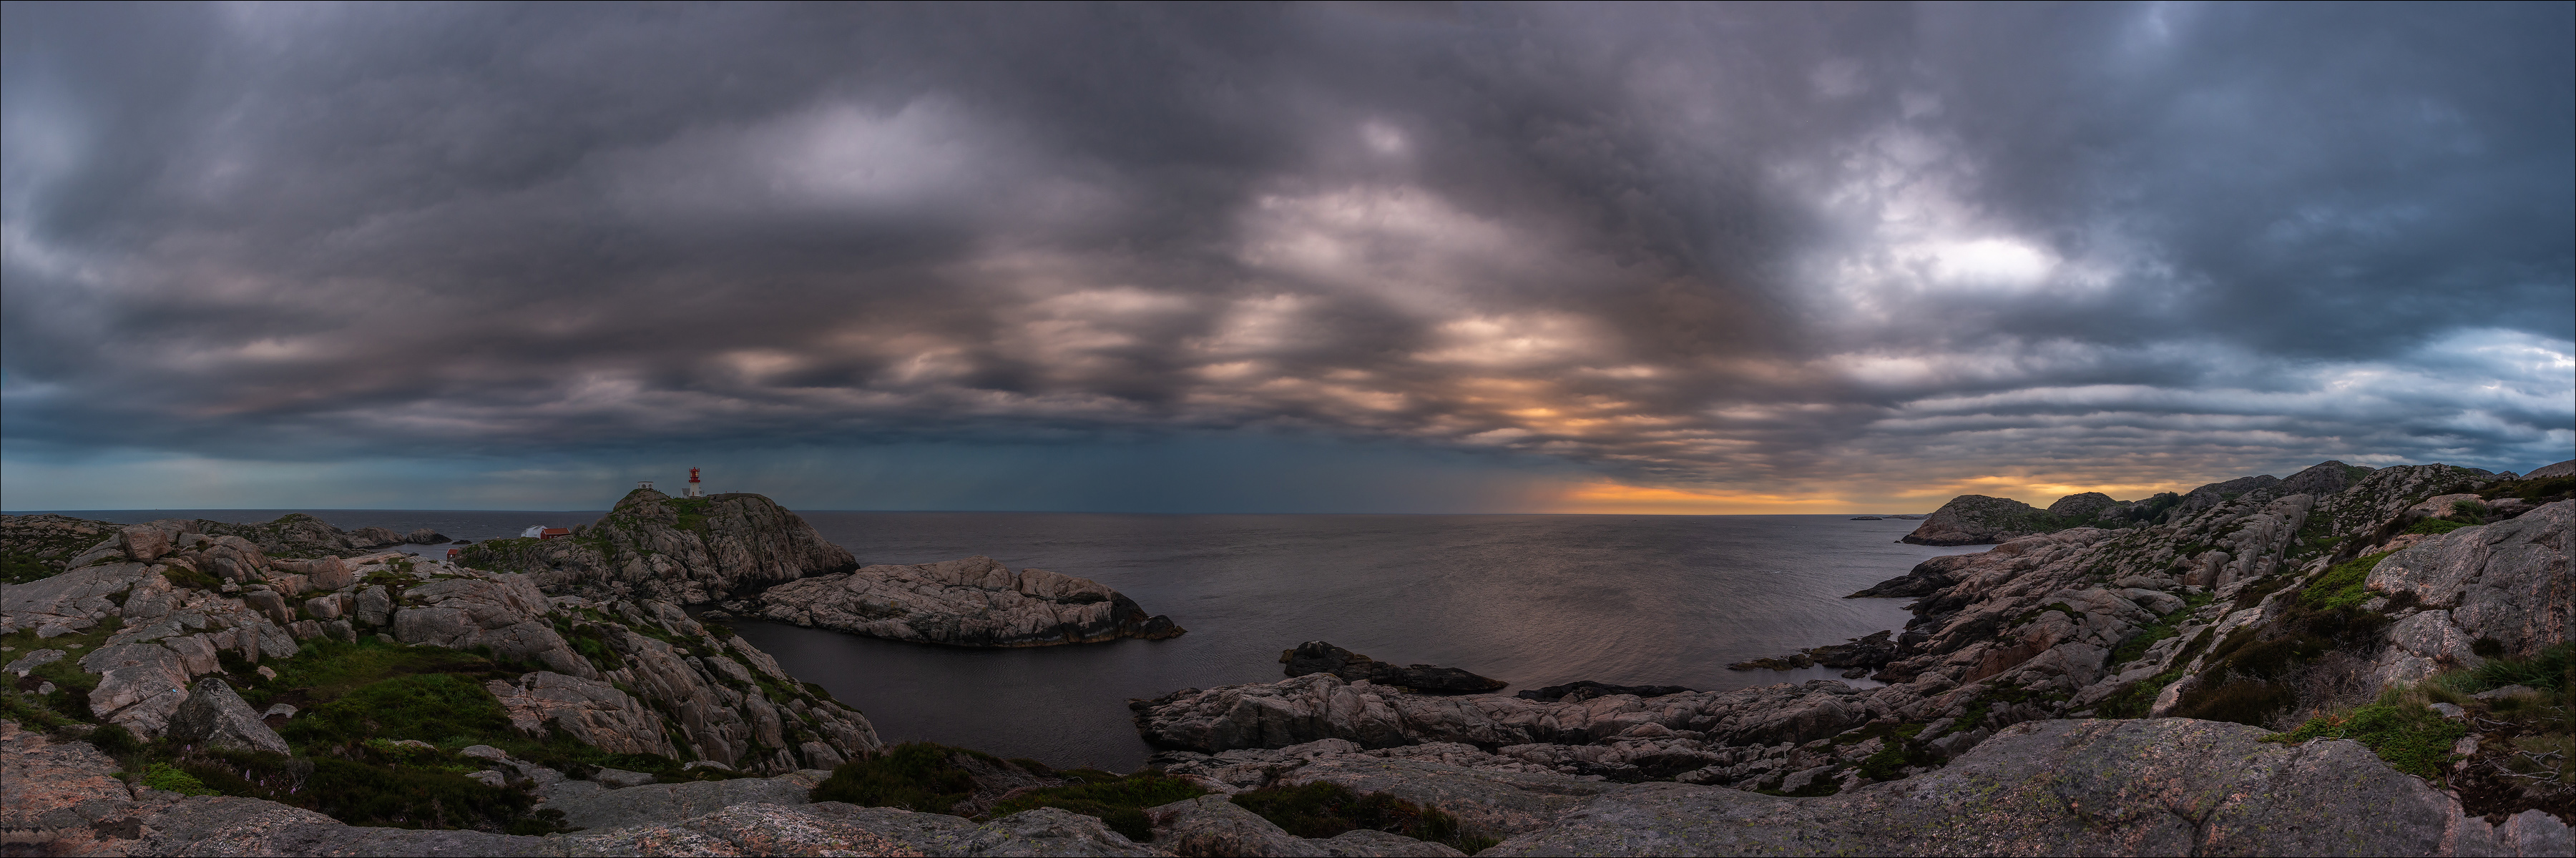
[693, 485]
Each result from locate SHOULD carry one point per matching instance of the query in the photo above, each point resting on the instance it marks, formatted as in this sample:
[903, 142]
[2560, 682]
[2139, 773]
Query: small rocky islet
[2346, 661]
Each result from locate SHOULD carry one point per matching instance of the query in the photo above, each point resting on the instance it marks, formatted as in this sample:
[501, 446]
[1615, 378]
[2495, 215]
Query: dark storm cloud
[1697, 245]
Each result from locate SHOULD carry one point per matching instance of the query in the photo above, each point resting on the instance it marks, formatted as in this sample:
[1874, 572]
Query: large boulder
[972, 602]
[216, 716]
[504, 612]
[1321, 657]
[592, 711]
[2508, 582]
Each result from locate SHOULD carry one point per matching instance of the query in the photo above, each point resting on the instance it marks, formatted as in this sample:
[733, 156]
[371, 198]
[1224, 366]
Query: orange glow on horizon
[1611, 498]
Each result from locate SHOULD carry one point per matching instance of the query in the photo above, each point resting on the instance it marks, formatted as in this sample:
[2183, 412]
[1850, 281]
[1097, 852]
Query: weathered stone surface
[970, 602]
[72, 598]
[651, 546]
[230, 826]
[650, 803]
[2509, 582]
[144, 683]
[504, 612]
[2160, 787]
[1321, 657]
[59, 797]
[1211, 825]
[590, 710]
[29, 662]
[216, 716]
[143, 543]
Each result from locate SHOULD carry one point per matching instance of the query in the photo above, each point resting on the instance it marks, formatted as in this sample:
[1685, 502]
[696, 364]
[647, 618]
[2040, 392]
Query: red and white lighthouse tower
[693, 485]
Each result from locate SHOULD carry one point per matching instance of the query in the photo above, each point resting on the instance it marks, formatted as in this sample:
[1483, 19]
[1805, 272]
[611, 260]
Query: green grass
[326, 669]
[1120, 803]
[916, 776]
[2436, 526]
[2400, 729]
[169, 778]
[2342, 586]
[1326, 809]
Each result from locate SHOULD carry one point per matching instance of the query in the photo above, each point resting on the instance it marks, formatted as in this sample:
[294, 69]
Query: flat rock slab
[654, 803]
[2160, 787]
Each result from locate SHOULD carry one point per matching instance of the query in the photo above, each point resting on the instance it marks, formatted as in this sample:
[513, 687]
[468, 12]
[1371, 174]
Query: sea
[1535, 600]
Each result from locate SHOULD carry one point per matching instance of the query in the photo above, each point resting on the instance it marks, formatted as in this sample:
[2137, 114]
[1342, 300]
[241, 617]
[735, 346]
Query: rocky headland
[972, 602]
[686, 551]
[2345, 662]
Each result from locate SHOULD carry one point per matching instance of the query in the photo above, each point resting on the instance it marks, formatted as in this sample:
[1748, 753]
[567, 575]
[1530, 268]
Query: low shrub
[1325, 810]
[2242, 701]
[2437, 526]
[169, 778]
[916, 776]
[439, 708]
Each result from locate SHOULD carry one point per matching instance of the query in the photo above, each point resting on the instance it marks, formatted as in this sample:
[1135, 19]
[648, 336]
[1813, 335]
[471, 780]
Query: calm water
[1533, 599]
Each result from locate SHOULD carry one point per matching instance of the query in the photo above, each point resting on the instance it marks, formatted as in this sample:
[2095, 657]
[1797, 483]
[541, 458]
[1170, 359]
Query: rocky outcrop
[1321, 657]
[972, 602]
[1926, 577]
[504, 612]
[694, 695]
[1978, 519]
[592, 711]
[2507, 583]
[681, 550]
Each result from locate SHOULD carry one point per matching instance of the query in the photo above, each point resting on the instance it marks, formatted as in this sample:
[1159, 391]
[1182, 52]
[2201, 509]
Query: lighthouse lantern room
[694, 491]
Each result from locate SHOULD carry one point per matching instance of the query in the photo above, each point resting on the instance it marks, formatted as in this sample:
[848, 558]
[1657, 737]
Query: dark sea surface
[1532, 599]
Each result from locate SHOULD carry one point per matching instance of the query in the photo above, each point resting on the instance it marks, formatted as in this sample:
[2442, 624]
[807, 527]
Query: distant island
[2346, 660]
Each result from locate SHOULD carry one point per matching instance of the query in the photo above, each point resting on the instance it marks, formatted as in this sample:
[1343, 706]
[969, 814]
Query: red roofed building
[554, 533]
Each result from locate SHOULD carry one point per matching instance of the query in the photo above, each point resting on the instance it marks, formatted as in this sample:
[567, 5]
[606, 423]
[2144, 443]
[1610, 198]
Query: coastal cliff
[686, 551]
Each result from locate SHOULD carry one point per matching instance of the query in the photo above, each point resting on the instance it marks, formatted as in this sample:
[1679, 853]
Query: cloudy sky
[1308, 257]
